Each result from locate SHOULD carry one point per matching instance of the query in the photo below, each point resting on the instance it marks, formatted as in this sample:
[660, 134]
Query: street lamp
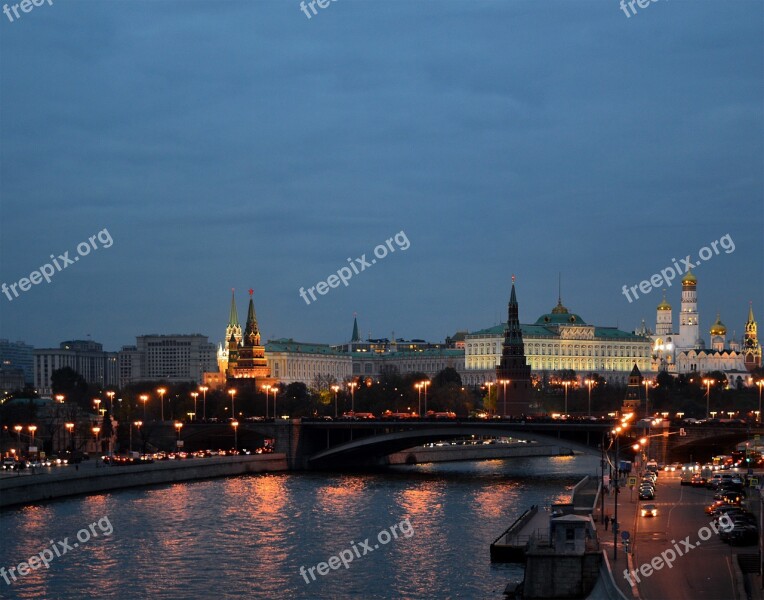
[419, 387]
[138, 425]
[759, 383]
[60, 398]
[488, 384]
[566, 384]
[17, 429]
[97, 402]
[178, 427]
[504, 382]
[267, 389]
[161, 391]
[616, 432]
[144, 398]
[275, 390]
[232, 392]
[235, 425]
[708, 381]
[194, 395]
[647, 383]
[426, 384]
[352, 385]
[589, 383]
[335, 389]
[204, 389]
[70, 429]
[32, 429]
[111, 401]
[96, 430]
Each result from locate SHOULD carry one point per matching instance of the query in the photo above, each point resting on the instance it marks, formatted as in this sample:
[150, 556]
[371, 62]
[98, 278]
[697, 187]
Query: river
[247, 537]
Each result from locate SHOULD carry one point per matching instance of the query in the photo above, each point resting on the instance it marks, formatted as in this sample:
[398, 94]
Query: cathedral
[686, 352]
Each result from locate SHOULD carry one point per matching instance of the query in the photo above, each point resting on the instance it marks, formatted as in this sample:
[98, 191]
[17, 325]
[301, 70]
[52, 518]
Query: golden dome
[689, 279]
[664, 305]
[718, 328]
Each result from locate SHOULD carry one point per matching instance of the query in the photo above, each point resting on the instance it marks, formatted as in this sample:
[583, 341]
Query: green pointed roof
[356, 337]
[251, 317]
[233, 318]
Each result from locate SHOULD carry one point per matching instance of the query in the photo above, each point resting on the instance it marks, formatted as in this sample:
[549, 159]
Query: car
[745, 535]
[646, 495]
[648, 510]
[698, 481]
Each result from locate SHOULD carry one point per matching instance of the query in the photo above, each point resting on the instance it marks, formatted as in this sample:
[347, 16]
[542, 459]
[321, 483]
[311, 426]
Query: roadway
[704, 571]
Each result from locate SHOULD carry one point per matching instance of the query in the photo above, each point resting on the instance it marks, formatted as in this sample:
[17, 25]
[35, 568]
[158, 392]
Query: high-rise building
[84, 356]
[17, 355]
[172, 358]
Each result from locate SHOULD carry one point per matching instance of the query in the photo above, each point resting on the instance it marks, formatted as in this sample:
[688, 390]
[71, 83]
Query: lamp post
[488, 384]
[275, 390]
[418, 387]
[647, 383]
[194, 395]
[589, 383]
[17, 429]
[235, 425]
[352, 385]
[137, 424]
[70, 429]
[504, 382]
[144, 398]
[232, 393]
[708, 381]
[161, 391]
[759, 383]
[335, 389]
[566, 384]
[96, 430]
[111, 401]
[426, 384]
[97, 402]
[267, 389]
[178, 427]
[204, 389]
[32, 429]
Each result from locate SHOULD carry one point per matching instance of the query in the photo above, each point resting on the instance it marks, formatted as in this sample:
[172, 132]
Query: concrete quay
[94, 477]
[447, 453]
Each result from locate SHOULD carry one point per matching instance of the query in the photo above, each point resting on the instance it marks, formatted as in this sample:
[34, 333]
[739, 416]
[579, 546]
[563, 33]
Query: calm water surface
[247, 537]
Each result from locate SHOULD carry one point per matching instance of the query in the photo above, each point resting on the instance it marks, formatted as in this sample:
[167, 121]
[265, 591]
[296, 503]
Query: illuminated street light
[194, 395]
[589, 383]
[504, 382]
[566, 384]
[352, 385]
[709, 382]
[488, 384]
[60, 398]
[267, 389]
[760, 384]
[232, 393]
[162, 391]
[235, 425]
[204, 389]
[70, 429]
[17, 429]
[111, 401]
[144, 398]
[426, 384]
[335, 389]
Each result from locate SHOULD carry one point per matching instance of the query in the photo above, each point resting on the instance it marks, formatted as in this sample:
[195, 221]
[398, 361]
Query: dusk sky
[238, 144]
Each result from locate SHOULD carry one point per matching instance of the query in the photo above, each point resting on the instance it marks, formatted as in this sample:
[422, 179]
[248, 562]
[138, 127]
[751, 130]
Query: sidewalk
[627, 517]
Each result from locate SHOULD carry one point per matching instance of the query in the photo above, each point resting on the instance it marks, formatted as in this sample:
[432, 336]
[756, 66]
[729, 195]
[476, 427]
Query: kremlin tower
[688, 316]
[751, 346]
[513, 366]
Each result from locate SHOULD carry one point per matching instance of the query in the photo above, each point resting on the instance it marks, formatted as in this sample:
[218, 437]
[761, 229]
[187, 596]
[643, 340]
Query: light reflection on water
[249, 536]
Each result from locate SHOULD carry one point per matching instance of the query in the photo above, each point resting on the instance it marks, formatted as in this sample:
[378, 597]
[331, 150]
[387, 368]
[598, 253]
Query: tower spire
[233, 317]
[356, 336]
